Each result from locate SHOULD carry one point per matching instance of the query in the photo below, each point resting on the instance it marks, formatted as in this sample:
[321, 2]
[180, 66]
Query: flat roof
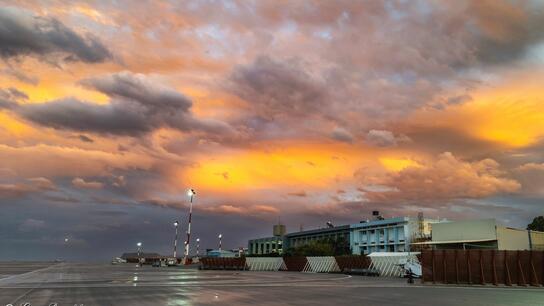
[455, 241]
[380, 222]
[272, 238]
[339, 228]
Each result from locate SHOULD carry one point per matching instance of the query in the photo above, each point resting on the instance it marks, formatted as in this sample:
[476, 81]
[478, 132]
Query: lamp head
[191, 192]
[139, 244]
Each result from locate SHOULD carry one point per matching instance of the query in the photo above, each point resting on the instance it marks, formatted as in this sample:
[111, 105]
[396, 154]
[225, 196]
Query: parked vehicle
[118, 260]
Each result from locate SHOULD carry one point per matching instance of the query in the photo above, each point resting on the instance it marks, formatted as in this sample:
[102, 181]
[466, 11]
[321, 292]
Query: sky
[295, 111]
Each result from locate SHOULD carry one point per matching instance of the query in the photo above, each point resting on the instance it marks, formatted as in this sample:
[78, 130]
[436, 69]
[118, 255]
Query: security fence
[483, 267]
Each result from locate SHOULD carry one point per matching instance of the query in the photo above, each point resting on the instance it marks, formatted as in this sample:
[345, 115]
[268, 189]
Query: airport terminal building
[388, 235]
[404, 234]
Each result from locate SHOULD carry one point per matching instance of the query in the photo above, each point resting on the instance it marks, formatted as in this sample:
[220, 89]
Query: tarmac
[125, 284]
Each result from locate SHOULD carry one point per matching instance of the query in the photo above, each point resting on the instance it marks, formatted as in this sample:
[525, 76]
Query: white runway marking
[28, 273]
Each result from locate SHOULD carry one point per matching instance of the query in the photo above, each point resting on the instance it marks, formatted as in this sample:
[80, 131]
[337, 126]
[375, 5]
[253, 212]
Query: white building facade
[388, 235]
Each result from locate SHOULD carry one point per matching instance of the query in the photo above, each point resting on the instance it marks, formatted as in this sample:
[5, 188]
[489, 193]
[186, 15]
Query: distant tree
[537, 224]
[323, 247]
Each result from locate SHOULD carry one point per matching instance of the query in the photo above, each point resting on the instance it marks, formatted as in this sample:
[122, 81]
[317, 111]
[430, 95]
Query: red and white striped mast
[176, 224]
[191, 193]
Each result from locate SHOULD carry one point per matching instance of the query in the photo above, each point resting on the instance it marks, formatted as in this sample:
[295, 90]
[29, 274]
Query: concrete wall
[464, 230]
[537, 240]
[512, 239]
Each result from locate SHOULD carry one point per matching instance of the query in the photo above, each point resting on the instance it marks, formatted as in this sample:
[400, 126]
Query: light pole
[139, 244]
[197, 245]
[220, 236]
[66, 248]
[176, 224]
[191, 193]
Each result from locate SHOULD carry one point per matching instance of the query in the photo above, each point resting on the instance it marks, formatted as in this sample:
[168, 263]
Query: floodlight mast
[176, 224]
[139, 245]
[191, 193]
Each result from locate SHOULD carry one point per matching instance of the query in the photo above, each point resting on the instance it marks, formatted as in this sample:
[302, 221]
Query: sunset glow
[302, 110]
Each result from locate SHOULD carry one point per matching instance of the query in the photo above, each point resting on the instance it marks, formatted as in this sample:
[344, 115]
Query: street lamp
[176, 224]
[197, 245]
[220, 236]
[139, 244]
[190, 193]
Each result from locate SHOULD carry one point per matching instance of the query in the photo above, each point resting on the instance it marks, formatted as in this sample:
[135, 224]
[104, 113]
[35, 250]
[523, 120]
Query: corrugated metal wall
[483, 267]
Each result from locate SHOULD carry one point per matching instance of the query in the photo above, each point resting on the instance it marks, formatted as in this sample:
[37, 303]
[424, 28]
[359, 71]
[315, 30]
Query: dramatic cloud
[445, 178]
[53, 161]
[138, 106]
[81, 183]
[301, 194]
[30, 225]
[532, 166]
[341, 134]
[242, 210]
[277, 89]
[505, 30]
[33, 185]
[85, 138]
[22, 33]
[383, 138]
[9, 97]
[312, 110]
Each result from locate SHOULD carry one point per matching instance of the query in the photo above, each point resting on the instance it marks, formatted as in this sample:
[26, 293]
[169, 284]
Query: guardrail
[483, 267]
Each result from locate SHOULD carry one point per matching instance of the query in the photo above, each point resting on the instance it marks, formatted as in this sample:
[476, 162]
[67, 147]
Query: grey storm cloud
[275, 88]
[9, 97]
[384, 138]
[137, 106]
[505, 30]
[342, 134]
[85, 138]
[22, 33]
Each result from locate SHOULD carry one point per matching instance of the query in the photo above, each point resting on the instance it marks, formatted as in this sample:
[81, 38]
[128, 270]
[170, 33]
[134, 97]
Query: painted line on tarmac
[29, 273]
[299, 284]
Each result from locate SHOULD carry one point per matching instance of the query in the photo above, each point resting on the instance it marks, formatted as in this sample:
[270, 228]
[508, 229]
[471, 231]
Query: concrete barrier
[322, 264]
[265, 263]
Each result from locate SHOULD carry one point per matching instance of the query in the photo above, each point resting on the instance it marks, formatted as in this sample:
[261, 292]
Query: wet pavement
[126, 284]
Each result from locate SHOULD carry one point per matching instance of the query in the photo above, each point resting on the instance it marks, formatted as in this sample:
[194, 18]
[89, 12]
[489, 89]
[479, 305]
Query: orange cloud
[47, 160]
[282, 165]
[242, 210]
[447, 177]
[81, 183]
[510, 113]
